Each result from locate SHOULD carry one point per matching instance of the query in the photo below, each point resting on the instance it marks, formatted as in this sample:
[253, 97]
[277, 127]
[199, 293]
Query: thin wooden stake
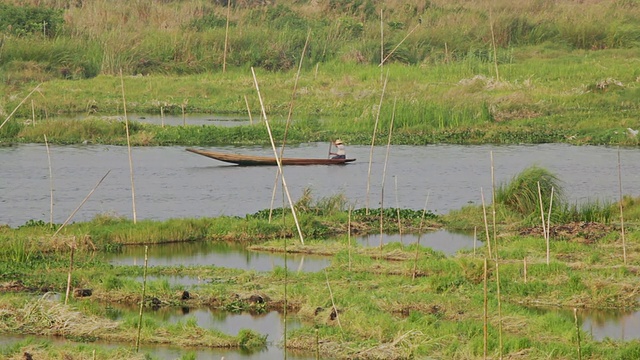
[46, 144]
[126, 122]
[486, 224]
[349, 235]
[495, 51]
[575, 317]
[544, 226]
[20, 104]
[485, 317]
[475, 238]
[499, 309]
[524, 262]
[373, 141]
[79, 206]
[162, 115]
[493, 208]
[66, 297]
[278, 160]
[395, 178]
[286, 129]
[226, 40]
[624, 246]
[384, 174]
[33, 114]
[246, 102]
[144, 290]
[415, 260]
[398, 45]
[333, 303]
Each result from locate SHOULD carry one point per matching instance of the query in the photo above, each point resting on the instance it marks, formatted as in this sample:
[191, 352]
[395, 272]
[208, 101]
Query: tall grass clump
[521, 193]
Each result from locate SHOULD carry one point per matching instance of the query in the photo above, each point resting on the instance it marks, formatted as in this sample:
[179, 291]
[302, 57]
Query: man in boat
[341, 153]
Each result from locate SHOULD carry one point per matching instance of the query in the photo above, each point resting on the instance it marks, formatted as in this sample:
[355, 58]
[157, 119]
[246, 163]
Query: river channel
[169, 182]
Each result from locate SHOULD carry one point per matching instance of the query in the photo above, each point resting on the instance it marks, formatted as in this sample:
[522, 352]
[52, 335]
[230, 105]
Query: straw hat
[339, 142]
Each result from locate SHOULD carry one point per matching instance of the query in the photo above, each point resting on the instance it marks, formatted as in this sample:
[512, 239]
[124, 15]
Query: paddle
[330, 146]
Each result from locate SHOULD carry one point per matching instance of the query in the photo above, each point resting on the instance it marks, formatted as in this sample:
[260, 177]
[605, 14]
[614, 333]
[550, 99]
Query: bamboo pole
[349, 235]
[184, 116]
[493, 43]
[624, 246]
[524, 266]
[384, 172]
[46, 144]
[398, 45]
[162, 115]
[493, 207]
[226, 39]
[79, 206]
[381, 45]
[246, 102]
[66, 297]
[373, 141]
[486, 224]
[333, 303]
[20, 104]
[33, 114]
[144, 289]
[549, 214]
[398, 210]
[544, 227]
[499, 308]
[415, 259]
[278, 160]
[575, 317]
[485, 317]
[475, 238]
[126, 122]
[286, 128]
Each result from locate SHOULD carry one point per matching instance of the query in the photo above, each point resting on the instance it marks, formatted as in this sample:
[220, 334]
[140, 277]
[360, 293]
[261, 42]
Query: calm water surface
[170, 182]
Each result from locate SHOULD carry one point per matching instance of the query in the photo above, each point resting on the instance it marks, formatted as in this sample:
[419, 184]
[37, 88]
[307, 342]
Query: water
[440, 240]
[207, 253]
[170, 182]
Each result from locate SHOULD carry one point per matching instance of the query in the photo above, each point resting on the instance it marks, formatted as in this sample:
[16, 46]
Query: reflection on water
[440, 240]
[207, 253]
[603, 324]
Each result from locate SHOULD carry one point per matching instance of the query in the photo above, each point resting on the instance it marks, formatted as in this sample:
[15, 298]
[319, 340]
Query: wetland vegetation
[453, 72]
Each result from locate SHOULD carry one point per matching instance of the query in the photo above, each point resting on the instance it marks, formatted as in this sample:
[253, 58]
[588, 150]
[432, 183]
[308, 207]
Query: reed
[373, 140]
[46, 143]
[622, 235]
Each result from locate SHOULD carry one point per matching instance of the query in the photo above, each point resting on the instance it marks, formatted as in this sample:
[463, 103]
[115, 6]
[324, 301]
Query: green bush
[18, 20]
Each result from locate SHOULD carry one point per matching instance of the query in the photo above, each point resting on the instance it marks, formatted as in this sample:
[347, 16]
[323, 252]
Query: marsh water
[169, 182]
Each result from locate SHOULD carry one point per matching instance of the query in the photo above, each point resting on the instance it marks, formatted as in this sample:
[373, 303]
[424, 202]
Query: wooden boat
[247, 160]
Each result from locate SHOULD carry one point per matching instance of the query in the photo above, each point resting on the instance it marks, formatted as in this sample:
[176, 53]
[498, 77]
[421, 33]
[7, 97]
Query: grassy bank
[553, 76]
[353, 308]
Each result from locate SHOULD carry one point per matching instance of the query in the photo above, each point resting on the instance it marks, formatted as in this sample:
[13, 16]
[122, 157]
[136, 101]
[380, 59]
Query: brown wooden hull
[246, 160]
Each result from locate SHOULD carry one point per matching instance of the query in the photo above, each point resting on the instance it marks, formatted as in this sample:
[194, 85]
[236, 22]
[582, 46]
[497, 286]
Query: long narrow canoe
[247, 160]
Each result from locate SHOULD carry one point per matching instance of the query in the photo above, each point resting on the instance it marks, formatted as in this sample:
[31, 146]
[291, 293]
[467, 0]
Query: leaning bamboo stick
[485, 317]
[384, 173]
[79, 206]
[226, 39]
[66, 297]
[486, 224]
[373, 141]
[415, 260]
[20, 104]
[333, 303]
[144, 290]
[349, 235]
[544, 226]
[398, 210]
[286, 128]
[126, 122]
[246, 102]
[278, 160]
[46, 144]
[493, 208]
[624, 246]
[398, 45]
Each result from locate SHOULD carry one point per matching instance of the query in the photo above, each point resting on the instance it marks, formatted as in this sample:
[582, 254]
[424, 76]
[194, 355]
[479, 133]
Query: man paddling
[341, 152]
